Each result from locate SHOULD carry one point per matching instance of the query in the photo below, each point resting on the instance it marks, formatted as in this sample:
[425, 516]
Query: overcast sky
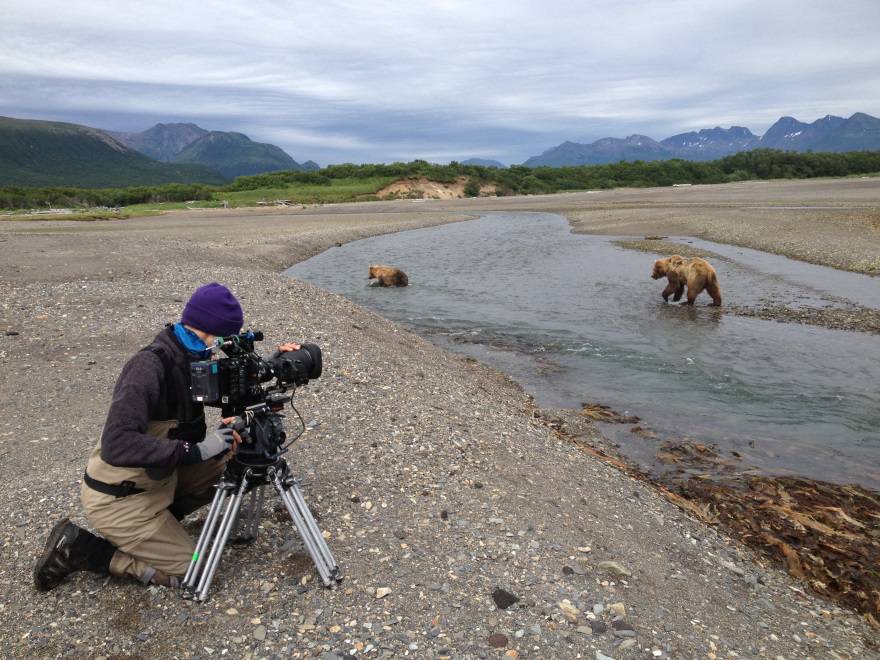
[336, 81]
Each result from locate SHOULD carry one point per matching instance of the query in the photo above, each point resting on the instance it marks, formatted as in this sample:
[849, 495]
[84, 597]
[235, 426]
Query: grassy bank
[348, 183]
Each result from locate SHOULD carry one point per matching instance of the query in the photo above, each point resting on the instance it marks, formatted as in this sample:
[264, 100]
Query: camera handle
[241, 426]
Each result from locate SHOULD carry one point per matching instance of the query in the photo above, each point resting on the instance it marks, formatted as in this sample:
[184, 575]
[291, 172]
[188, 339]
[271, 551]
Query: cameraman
[156, 461]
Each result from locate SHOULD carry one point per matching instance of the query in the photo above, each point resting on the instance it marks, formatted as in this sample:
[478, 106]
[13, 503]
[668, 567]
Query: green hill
[235, 154]
[43, 153]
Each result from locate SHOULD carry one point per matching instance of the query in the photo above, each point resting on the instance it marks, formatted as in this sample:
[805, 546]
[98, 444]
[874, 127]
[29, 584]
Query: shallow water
[577, 319]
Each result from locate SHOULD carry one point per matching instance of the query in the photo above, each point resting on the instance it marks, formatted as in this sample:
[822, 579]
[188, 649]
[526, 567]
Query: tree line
[515, 180]
[22, 197]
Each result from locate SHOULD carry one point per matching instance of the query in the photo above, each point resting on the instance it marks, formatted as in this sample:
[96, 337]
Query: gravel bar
[464, 525]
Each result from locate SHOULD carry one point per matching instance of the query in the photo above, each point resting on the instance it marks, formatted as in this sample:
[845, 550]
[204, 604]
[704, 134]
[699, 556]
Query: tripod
[250, 478]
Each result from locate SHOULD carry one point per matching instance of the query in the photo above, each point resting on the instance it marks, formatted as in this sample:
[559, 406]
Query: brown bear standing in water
[387, 276]
[697, 274]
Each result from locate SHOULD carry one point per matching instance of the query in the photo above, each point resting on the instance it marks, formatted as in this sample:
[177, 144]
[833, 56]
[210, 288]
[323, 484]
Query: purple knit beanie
[213, 309]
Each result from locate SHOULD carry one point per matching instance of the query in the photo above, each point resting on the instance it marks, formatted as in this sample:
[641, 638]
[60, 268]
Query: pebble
[730, 566]
[598, 627]
[260, 633]
[503, 599]
[615, 568]
[619, 609]
[569, 611]
[497, 640]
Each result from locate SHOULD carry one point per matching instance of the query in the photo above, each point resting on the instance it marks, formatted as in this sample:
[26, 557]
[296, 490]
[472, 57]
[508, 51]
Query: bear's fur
[388, 276]
[697, 274]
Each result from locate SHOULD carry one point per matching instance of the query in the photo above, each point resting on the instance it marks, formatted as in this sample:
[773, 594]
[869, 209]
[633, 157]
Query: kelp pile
[825, 534]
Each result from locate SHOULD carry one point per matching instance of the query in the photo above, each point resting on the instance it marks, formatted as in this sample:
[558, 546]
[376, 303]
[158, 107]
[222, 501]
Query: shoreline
[416, 433]
[824, 534]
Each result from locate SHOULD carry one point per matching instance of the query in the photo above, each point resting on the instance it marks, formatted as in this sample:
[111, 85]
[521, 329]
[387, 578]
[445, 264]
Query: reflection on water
[577, 319]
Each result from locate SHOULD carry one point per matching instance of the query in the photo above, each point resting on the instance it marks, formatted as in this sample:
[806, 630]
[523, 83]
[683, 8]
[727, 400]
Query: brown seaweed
[824, 534]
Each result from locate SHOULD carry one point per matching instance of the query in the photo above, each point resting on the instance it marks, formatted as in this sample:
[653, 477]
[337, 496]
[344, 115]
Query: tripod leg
[308, 529]
[213, 559]
[205, 537]
[244, 522]
[256, 512]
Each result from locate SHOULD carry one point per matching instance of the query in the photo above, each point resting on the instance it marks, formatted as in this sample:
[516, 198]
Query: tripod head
[262, 432]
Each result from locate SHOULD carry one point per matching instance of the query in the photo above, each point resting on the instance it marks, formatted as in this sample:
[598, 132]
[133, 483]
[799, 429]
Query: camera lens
[306, 362]
[298, 367]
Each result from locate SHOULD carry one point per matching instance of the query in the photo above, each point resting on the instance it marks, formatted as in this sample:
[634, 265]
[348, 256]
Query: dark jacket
[147, 391]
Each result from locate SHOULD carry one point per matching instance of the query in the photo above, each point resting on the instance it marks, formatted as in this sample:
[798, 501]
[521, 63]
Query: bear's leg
[678, 293]
[668, 291]
[693, 292]
[715, 291]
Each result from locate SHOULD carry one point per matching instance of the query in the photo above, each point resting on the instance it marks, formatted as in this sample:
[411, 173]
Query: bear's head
[661, 267]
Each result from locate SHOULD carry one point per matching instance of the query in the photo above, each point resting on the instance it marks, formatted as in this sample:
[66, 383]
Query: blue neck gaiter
[191, 342]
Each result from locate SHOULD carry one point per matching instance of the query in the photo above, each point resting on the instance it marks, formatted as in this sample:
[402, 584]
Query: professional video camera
[235, 384]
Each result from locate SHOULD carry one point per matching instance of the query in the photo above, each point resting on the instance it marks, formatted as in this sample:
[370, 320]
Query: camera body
[235, 384]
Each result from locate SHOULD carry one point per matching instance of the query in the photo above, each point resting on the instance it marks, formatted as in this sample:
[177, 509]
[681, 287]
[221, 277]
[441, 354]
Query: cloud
[344, 80]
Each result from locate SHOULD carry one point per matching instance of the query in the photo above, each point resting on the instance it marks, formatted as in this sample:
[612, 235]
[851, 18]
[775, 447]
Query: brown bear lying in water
[387, 276]
[697, 274]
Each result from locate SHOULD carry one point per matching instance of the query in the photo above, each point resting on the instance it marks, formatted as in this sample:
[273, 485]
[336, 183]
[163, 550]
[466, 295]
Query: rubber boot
[69, 549]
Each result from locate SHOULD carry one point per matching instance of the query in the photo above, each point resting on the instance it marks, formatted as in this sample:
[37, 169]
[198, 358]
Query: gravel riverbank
[464, 525]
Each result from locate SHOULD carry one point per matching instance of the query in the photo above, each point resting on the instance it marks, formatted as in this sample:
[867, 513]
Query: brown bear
[387, 276]
[697, 274]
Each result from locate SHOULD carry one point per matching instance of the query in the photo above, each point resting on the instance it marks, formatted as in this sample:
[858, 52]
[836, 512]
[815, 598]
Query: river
[578, 319]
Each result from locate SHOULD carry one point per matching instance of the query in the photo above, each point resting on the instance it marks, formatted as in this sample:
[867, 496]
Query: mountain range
[45, 153]
[860, 132]
[231, 154]
[163, 141]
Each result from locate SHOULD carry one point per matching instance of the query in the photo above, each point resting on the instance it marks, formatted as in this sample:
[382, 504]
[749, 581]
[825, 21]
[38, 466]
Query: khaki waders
[151, 545]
